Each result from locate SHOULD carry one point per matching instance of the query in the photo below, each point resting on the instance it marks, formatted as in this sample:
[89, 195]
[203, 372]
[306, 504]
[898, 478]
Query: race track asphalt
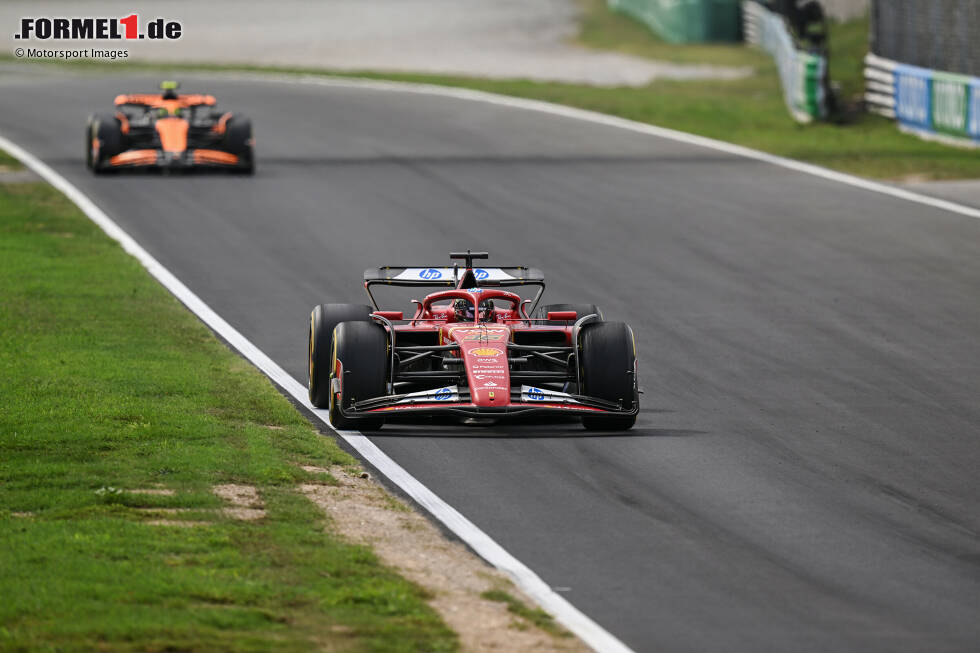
[804, 474]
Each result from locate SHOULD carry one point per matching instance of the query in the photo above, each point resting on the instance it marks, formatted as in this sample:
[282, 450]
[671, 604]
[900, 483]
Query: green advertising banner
[686, 21]
[950, 104]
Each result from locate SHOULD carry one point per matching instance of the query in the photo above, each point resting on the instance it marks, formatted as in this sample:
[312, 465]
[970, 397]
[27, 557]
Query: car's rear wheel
[360, 353]
[238, 140]
[582, 310]
[608, 359]
[323, 320]
[103, 140]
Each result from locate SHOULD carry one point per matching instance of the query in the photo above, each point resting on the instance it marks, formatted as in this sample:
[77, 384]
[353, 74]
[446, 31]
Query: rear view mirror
[568, 316]
[390, 315]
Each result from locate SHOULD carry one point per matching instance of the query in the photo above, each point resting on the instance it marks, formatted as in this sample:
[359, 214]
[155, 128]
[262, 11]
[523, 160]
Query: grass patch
[535, 616]
[8, 162]
[605, 29]
[110, 383]
[848, 47]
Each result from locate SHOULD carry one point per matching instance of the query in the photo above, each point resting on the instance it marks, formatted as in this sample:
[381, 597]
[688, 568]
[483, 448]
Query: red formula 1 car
[471, 350]
[168, 131]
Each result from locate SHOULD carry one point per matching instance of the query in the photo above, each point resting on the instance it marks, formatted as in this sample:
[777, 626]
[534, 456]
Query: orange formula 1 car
[168, 131]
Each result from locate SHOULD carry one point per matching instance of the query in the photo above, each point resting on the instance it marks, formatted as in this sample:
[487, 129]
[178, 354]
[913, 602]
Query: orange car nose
[173, 134]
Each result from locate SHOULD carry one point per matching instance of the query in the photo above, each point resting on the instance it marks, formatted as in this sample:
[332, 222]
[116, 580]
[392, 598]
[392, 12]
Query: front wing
[525, 401]
[159, 159]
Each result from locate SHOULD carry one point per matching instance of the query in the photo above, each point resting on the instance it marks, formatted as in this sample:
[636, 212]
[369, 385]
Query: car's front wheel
[238, 141]
[323, 320]
[360, 357]
[608, 360]
[103, 140]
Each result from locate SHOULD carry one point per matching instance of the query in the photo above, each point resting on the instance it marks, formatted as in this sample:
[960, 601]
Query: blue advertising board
[913, 93]
[973, 124]
[937, 102]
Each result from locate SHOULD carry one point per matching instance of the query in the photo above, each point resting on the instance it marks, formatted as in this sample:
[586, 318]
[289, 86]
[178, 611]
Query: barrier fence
[931, 34]
[802, 74]
[933, 104]
[924, 67]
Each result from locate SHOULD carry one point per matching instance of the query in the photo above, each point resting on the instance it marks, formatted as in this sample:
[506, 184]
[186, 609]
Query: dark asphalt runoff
[805, 474]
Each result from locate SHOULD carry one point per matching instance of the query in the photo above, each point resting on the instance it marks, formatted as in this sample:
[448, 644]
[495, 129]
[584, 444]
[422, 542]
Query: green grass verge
[848, 47]
[108, 382]
[535, 616]
[8, 162]
[604, 29]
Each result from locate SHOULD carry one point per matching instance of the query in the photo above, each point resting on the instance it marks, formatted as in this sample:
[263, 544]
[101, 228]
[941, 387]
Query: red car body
[495, 361]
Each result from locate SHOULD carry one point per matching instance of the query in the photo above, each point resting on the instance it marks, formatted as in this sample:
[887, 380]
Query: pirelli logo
[98, 29]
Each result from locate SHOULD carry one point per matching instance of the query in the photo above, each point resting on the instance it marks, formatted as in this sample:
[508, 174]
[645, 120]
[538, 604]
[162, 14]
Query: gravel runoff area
[526, 39]
[461, 585]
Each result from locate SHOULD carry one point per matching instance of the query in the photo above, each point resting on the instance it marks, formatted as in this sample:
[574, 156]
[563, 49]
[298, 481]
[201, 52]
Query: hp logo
[443, 394]
[480, 274]
[429, 274]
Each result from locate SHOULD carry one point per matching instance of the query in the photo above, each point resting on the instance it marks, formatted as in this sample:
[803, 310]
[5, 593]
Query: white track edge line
[564, 612]
[610, 121]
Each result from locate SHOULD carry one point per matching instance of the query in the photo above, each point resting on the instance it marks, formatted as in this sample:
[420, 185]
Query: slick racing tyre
[103, 140]
[608, 359]
[238, 141]
[360, 352]
[581, 309]
[323, 320]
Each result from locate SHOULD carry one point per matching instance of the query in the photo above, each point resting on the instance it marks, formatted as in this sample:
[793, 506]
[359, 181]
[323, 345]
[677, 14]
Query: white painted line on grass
[564, 612]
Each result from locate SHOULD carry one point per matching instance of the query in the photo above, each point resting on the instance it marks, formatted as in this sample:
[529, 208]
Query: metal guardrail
[879, 85]
[929, 103]
[803, 74]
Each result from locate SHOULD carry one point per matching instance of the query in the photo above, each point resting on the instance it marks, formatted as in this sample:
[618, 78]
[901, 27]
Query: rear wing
[448, 277]
[155, 99]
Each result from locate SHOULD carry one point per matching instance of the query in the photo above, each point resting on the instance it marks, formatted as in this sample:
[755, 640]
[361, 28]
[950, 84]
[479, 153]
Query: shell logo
[486, 351]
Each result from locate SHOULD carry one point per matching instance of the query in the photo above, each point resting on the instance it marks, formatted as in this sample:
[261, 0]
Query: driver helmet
[486, 311]
[464, 310]
[169, 90]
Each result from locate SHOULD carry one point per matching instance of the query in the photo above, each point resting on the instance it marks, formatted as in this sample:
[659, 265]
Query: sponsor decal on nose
[486, 351]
